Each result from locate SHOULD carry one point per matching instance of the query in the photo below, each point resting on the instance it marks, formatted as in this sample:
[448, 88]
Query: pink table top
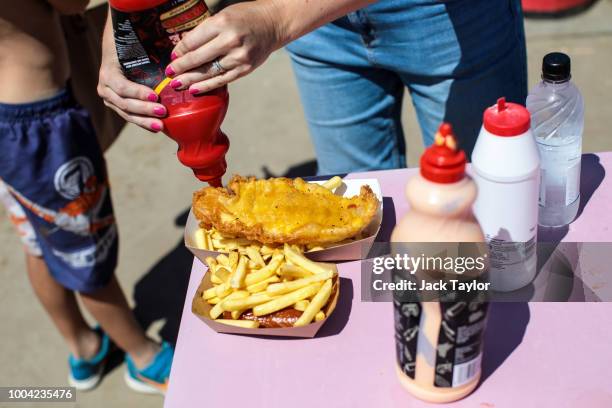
[536, 355]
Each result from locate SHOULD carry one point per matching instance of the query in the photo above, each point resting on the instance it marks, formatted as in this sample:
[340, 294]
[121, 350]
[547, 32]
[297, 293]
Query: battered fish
[282, 210]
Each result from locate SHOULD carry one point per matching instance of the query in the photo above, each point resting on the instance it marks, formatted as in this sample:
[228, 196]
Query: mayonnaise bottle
[506, 168]
[439, 345]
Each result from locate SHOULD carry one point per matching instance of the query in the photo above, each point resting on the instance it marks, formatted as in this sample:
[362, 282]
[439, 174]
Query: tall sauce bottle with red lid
[145, 33]
[506, 168]
[439, 344]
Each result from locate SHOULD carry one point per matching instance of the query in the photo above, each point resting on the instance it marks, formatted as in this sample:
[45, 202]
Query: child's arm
[69, 6]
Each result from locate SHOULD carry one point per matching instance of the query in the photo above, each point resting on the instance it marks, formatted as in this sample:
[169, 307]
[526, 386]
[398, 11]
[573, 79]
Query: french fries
[291, 271]
[262, 285]
[262, 280]
[255, 256]
[222, 274]
[317, 303]
[237, 278]
[333, 183]
[203, 238]
[218, 309]
[286, 300]
[301, 305]
[285, 287]
[246, 303]
[296, 258]
[265, 272]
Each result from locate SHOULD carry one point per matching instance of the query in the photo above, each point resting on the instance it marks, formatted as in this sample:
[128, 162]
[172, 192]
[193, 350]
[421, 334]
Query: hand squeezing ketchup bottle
[145, 33]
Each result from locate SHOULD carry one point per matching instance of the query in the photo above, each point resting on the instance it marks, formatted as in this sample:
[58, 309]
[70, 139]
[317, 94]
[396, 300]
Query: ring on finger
[217, 68]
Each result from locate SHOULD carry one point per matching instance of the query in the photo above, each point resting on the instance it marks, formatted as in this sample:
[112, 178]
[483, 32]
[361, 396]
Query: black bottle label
[459, 348]
[407, 318]
[144, 39]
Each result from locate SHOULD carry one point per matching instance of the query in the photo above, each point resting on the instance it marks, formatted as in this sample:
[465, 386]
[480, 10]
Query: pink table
[540, 355]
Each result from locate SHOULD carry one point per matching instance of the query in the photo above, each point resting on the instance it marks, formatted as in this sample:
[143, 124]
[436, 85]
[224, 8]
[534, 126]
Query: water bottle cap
[443, 162]
[506, 118]
[556, 67]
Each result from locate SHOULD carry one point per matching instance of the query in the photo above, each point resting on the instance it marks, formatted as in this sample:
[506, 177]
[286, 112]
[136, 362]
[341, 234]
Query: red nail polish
[156, 127]
[173, 56]
[175, 83]
[152, 97]
[169, 71]
[159, 111]
[194, 91]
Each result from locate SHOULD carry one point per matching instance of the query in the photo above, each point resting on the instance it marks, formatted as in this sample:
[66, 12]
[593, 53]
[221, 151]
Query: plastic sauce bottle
[506, 167]
[145, 33]
[557, 121]
[439, 345]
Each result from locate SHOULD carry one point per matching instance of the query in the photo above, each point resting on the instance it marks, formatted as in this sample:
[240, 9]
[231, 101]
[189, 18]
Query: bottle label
[144, 39]
[458, 353]
[459, 349]
[407, 322]
[503, 254]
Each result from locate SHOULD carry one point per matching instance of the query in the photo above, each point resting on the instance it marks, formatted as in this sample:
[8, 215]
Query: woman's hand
[225, 47]
[133, 102]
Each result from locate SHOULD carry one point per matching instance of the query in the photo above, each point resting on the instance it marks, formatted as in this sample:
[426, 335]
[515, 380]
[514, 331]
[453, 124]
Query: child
[54, 184]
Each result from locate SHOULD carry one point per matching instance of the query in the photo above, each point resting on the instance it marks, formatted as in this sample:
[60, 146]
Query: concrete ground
[151, 192]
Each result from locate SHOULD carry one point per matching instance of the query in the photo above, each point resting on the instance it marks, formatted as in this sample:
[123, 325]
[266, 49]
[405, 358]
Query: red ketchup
[145, 33]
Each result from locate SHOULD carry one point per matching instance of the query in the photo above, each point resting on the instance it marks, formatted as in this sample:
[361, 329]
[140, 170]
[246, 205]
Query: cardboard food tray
[350, 251]
[201, 308]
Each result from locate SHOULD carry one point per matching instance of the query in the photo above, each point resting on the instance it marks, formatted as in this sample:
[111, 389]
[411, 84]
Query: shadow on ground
[504, 333]
[160, 293]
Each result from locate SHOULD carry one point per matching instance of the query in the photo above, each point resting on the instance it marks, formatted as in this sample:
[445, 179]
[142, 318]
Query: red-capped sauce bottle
[146, 32]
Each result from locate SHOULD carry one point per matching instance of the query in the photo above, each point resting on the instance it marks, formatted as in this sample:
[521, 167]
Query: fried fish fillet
[282, 210]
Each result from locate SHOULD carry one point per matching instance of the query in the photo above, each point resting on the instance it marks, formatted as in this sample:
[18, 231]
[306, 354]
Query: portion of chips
[261, 281]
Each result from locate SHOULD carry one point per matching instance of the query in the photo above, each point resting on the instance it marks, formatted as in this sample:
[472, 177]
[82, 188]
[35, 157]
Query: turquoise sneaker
[86, 374]
[152, 379]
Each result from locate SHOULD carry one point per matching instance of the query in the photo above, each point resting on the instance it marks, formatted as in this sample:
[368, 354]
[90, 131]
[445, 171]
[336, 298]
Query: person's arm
[69, 7]
[242, 36]
[298, 17]
[133, 102]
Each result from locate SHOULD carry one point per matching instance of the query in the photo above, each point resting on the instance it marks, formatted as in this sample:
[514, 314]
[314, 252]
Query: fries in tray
[213, 240]
[262, 287]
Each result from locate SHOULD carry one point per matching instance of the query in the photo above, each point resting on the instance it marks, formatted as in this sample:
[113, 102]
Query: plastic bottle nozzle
[211, 174]
[215, 182]
[501, 104]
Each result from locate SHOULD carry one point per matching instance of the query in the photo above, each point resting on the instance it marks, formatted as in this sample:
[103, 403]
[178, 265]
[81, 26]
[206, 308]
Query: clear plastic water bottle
[557, 122]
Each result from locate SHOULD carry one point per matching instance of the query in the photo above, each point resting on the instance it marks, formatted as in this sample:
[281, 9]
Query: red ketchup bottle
[145, 33]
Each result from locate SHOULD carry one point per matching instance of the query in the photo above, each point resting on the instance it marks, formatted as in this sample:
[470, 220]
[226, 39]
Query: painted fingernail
[156, 127]
[175, 83]
[194, 91]
[169, 71]
[159, 111]
[173, 56]
[152, 97]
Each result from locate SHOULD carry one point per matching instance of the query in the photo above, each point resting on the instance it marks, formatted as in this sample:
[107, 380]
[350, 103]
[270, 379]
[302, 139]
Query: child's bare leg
[60, 304]
[110, 308]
